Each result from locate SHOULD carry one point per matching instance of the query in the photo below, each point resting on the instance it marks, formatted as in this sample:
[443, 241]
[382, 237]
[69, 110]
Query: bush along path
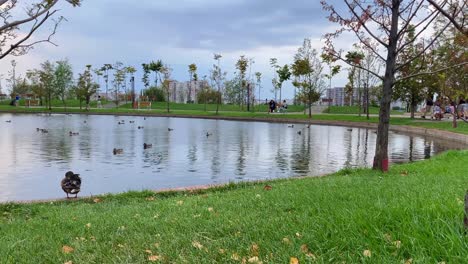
[413, 214]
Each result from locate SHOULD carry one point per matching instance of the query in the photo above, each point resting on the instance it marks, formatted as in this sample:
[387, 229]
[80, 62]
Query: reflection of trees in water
[348, 147]
[192, 155]
[216, 152]
[86, 141]
[427, 148]
[240, 165]
[300, 157]
[57, 144]
[281, 159]
[158, 155]
[411, 148]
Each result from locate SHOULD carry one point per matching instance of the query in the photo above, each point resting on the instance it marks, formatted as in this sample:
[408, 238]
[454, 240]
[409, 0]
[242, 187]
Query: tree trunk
[167, 105]
[359, 93]
[381, 150]
[218, 101]
[367, 98]
[248, 97]
[413, 109]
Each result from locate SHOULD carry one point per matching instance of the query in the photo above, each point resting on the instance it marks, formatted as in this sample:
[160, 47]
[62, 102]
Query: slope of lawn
[413, 214]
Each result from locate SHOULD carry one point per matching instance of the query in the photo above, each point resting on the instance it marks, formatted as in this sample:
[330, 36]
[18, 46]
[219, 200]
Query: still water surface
[33, 163]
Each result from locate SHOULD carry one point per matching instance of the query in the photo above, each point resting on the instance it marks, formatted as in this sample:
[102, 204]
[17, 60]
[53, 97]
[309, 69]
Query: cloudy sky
[181, 32]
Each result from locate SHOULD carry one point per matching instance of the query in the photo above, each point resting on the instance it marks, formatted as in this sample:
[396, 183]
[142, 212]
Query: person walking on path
[428, 108]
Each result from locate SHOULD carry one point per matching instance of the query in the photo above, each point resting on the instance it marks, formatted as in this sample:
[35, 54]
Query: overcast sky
[181, 32]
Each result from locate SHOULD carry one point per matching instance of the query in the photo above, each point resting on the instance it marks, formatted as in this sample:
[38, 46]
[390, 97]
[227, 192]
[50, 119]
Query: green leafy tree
[332, 71]
[86, 87]
[283, 75]
[47, 79]
[307, 68]
[166, 72]
[146, 72]
[105, 69]
[193, 77]
[119, 79]
[63, 79]
[218, 78]
[241, 66]
[258, 83]
[155, 94]
[274, 80]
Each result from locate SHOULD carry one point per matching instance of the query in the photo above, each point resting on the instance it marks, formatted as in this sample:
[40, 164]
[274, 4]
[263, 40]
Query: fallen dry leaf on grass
[286, 240]
[148, 251]
[151, 198]
[67, 249]
[88, 225]
[404, 173]
[254, 249]
[197, 245]
[222, 251]
[254, 260]
[367, 253]
[267, 188]
[210, 209]
[68, 262]
[97, 200]
[154, 258]
[305, 249]
[409, 261]
[388, 237]
[397, 243]
[293, 260]
[235, 256]
[298, 234]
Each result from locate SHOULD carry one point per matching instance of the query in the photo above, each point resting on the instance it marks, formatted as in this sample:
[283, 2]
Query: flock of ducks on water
[71, 183]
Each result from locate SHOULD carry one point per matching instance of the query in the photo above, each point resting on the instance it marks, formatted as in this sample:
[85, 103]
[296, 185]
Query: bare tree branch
[432, 72]
[451, 17]
[29, 19]
[364, 25]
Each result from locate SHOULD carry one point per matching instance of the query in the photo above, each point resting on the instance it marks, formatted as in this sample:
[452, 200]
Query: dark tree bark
[381, 151]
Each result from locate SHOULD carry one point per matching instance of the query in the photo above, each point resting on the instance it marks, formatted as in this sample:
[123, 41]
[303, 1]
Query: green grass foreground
[413, 214]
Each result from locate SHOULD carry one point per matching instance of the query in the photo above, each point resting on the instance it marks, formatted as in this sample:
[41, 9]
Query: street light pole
[132, 82]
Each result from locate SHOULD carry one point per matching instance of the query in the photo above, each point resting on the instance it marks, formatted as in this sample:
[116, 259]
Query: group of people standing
[273, 106]
[437, 109]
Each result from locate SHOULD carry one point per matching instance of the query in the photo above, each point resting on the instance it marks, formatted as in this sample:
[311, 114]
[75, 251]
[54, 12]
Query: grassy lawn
[442, 125]
[212, 107]
[413, 214]
[355, 110]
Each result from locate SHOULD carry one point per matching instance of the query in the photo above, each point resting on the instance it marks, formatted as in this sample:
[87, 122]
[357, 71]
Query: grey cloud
[226, 26]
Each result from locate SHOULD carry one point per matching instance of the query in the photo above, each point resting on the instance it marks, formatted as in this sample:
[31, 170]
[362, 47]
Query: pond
[32, 163]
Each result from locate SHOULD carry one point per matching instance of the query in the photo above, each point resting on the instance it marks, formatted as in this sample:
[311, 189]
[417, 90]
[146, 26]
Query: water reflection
[32, 163]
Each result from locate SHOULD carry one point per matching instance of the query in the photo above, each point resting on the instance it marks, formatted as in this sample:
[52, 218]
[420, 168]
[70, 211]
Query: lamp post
[132, 83]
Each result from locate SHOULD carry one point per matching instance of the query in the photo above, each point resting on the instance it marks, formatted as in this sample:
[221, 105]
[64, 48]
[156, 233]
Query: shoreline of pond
[421, 131]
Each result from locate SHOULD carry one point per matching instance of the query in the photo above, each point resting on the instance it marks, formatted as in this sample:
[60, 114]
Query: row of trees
[54, 80]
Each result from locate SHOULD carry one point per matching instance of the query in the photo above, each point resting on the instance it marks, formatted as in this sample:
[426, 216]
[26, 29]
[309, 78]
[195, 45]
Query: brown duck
[71, 184]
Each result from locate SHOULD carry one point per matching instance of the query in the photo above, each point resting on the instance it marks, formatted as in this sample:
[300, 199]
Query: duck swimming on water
[71, 184]
[117, 151]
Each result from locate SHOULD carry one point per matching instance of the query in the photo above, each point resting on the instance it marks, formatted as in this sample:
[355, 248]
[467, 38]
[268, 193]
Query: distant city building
[339, 97]
[181, 91]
